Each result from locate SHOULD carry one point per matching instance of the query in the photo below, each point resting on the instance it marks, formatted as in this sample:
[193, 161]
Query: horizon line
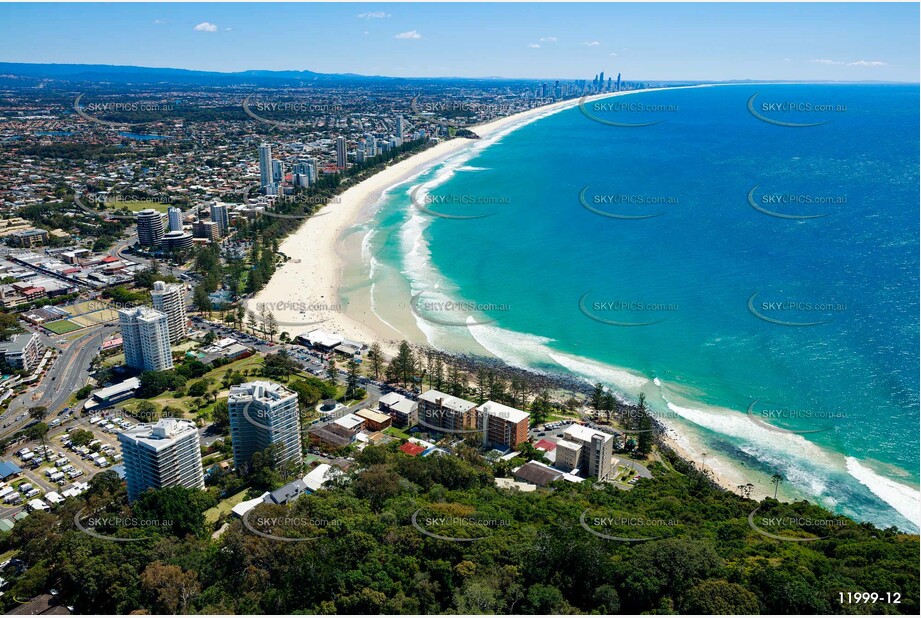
[492, 77]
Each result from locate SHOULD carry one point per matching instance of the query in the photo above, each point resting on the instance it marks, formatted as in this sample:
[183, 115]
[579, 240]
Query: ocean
[744, 255]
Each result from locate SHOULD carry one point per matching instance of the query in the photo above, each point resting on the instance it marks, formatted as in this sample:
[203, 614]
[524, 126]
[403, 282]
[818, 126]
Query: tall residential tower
[263, 414]
[162, 454]
[170, 299]
[145, 337]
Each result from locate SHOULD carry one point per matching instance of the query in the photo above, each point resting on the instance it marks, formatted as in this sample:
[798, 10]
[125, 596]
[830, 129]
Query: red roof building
[413, 450]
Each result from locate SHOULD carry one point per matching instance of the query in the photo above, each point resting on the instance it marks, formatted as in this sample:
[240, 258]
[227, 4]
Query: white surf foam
[904, 499]
[594, 372]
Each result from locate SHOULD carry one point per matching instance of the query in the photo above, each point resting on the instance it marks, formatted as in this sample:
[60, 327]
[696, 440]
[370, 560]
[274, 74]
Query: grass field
[224, 507]
[62, 326]
[215, 375]
[396, 432]
[86, 306]
[135, 206]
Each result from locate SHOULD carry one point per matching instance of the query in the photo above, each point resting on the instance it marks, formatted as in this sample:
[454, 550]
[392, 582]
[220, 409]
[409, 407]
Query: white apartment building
[145, 336]
[162, 454]
[264, 413]
[170, 299]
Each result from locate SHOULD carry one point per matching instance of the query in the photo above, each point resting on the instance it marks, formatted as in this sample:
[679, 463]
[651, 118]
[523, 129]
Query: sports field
[62, 326]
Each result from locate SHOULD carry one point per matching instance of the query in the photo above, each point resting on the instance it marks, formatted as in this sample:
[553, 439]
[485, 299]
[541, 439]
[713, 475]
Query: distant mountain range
[18, 72]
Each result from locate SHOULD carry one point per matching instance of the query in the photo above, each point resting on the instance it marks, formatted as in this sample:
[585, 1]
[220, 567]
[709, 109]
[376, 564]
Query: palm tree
[777, 480]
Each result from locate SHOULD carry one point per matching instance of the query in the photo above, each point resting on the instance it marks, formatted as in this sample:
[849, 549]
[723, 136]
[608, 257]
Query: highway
[67, 375]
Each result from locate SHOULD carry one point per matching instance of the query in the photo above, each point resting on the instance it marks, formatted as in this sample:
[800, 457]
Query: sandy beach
[303, 295]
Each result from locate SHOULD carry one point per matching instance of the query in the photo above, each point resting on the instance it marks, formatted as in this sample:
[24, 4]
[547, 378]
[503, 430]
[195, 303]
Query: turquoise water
[666, 276]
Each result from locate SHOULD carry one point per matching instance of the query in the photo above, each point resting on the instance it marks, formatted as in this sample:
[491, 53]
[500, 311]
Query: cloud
[158, 22]
[533, 45]
[591, 43]
[412, 34]
[374, 15]
[858, 63]
[613, 54]
[206, 26]
[549, 39]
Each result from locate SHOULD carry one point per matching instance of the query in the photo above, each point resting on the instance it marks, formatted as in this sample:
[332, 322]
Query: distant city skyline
[656, 41]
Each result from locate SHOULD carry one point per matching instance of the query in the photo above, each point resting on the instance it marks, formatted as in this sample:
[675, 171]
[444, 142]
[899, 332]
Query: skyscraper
[163, 454]
[341, 153]
[150, 227]
[370, 145]
[170, 299]
[265, 165]
[400, 126]
[175, 219]
[278, 171]
[618, 82]
[263, 414]
[145, 337]
[220, 216]
[302, 173]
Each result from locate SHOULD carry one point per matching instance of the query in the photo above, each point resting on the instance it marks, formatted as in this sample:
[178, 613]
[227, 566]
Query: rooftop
[260, 390]
[447, 401]
[537, 473]
[161, 434]
[580, 433]
[499, 410]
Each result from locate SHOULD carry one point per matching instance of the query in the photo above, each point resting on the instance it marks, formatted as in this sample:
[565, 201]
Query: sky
[681, 41]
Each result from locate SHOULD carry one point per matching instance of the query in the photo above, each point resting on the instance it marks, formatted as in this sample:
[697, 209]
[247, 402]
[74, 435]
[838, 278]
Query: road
[68, 374]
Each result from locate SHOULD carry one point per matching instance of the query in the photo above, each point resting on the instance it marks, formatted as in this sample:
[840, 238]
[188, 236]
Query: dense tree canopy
[375, 543]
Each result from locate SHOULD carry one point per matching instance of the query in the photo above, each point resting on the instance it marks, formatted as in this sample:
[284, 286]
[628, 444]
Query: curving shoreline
[320, 252]
[304, 293]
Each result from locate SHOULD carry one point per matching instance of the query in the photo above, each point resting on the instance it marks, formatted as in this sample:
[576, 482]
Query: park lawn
[9, 555]
[115, 360]
[396, 432]
[224, 507]
[60, 327]
[215, 375]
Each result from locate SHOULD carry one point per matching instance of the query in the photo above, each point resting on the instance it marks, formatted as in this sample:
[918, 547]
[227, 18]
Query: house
[43, 604]
[246, 506]
[320, 475]
[287, 494]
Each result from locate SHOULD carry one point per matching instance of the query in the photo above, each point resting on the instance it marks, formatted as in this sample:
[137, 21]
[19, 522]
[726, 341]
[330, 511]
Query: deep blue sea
[757, 281]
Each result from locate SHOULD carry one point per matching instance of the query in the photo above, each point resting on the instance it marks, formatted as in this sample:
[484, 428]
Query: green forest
[375, 542]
